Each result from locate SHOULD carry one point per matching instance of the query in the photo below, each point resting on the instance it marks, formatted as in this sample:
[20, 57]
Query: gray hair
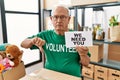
[63, 6]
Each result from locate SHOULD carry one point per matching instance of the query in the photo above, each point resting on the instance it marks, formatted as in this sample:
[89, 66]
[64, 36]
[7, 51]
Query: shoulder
[42, 34]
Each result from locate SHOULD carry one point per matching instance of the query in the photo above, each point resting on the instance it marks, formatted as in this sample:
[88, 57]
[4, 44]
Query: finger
[82, 48]
[33, 40]
[85, 48]
[41, 49]
[79, 48]
[37, 41]
[41, 42]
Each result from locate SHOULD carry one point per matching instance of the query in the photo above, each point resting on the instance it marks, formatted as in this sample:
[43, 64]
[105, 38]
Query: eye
[62, 17]
[55, 17]
[8, 55]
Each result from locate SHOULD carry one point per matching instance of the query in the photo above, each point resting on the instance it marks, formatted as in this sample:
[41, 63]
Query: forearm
[27, 43]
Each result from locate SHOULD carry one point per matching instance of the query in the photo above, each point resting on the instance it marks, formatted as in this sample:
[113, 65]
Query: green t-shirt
[58, 57]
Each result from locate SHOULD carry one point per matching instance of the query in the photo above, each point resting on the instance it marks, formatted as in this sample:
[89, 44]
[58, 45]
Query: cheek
[53, 23]
[66, 23]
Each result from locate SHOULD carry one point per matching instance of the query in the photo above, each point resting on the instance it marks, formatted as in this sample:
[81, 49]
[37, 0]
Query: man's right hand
[39, 43]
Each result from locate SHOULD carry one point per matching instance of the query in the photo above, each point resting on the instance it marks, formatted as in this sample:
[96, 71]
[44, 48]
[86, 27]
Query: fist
[82, 50]
[38, 42]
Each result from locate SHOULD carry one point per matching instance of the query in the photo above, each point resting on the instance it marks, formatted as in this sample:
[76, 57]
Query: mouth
[12, 59]
[59, 25]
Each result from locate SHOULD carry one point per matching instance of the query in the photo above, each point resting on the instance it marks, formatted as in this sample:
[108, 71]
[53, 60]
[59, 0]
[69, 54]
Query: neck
[61, 32]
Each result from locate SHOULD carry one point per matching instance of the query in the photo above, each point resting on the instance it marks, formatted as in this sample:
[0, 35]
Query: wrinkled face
[60, 19]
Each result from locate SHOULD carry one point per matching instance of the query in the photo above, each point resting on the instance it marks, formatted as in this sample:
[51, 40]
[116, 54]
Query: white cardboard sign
[81, 38]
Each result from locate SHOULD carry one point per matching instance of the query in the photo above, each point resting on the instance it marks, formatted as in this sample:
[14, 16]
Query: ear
[21, 51]
[51, 18]
[20, 56]
[69, 18]
[7, 45]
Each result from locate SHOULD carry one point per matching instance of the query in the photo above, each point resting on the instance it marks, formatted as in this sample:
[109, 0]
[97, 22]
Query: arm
[27, 43]
[83, 53]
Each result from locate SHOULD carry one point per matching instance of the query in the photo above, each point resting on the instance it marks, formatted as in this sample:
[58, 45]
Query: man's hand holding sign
[79, 39]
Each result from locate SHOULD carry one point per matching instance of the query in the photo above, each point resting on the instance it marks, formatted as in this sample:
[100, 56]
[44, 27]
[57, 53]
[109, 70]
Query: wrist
[82, 55]
[31, 42]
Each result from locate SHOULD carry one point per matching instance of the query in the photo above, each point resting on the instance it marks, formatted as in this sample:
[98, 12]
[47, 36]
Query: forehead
[60, 11]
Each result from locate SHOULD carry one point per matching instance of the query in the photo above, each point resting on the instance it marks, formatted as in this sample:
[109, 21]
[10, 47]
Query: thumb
[41, 49]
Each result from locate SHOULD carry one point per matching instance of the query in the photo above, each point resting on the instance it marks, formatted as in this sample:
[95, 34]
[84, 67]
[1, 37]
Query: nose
[9, 56]
[59, 19]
